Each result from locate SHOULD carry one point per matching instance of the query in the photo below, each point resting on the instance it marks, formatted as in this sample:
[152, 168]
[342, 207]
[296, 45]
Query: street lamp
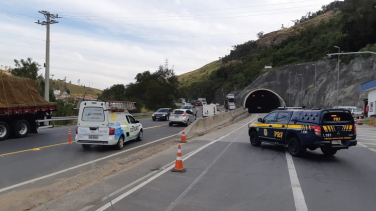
[302, 89]
[339, 50]
[315, 86]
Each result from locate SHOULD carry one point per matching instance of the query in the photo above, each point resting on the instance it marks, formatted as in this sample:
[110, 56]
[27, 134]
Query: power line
[231, 8]
[185, 17]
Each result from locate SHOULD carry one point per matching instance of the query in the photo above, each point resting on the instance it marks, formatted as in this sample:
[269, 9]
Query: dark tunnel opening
[262, 101]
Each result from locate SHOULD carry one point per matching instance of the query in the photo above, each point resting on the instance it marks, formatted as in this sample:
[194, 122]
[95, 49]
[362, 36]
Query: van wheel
[120, 143]
[140, 136]
[4, 131]
[328, 152]
[294, 147]
[86, 146]
[20, 128]
[254, 139]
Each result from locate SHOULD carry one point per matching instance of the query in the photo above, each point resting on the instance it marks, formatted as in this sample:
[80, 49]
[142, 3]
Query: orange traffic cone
[370, 122]
[179, 163]
[360, 121]
[69, 136]
[182, 140]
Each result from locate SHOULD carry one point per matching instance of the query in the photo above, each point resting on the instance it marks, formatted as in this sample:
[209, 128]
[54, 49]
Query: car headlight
[164, 114]
[152, 115]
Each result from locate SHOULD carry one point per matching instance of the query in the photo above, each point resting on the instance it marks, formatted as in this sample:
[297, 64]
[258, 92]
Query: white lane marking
[78, 166]
[117, 199]
[299, 200]
[368, 143]
[366, 147]
[199, 177]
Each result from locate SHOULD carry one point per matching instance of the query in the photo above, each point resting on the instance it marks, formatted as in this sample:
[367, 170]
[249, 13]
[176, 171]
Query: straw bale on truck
[21, 106]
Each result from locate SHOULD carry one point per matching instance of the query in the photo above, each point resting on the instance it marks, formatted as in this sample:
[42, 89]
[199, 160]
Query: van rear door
[337, 125]
[92, 127]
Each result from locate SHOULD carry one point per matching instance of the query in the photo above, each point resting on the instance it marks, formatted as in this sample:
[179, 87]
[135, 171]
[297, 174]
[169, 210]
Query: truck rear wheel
[4, 131]
[294, 147]
[120, 143]
[20, 128]
[328, 152]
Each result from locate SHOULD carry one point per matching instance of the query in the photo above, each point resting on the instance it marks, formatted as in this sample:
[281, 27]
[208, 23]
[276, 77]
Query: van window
[337, 117]
[93, 114]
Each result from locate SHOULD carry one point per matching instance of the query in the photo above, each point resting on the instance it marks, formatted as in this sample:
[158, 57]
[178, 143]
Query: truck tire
[120, 143]
[4, 131]
[254, 139]
[328, 152]
[86, 146]
[294, 147]
[20, 128]
[140, 136]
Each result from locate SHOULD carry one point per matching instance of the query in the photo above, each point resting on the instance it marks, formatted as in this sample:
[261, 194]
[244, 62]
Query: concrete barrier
[204, 125]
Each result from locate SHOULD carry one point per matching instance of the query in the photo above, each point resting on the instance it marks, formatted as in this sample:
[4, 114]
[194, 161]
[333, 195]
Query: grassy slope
[204, 72]
[76, 90]
[200, 74]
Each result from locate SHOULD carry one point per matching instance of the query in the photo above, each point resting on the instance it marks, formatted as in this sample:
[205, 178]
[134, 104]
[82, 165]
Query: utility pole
[50, 19]
[339, 51]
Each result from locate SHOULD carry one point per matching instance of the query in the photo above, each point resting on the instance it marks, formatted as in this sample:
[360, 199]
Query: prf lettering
[336, 119]
[278, 134]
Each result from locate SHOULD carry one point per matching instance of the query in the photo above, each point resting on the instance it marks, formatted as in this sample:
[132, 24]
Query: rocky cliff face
[295, 84]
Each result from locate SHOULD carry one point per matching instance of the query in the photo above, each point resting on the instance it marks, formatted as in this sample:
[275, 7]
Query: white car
[106, 123]
[182, 116]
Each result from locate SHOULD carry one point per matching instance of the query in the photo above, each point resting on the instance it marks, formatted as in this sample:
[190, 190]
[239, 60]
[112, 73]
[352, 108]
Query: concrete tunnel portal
[263, 101]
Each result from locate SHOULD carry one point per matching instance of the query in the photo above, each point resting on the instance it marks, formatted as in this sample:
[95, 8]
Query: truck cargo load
[21, 106]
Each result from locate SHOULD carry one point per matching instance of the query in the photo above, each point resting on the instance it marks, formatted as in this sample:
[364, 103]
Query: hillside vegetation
[75, 90]
[350, 24]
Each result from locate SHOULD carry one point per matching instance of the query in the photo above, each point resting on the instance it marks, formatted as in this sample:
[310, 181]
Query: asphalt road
[224, 172]
[48, 152]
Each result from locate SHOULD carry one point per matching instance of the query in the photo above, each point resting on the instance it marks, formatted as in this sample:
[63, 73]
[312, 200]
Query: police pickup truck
[329, 129]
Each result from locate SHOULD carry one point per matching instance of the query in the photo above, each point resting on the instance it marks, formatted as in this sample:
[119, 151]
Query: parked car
[162, 114]
[191, 108]
[182, 116]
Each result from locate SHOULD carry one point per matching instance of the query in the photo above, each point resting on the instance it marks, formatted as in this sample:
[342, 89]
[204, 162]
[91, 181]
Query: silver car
[182, 116]
[191, 108]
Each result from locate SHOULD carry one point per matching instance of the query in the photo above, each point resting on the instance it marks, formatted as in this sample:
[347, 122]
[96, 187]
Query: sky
[100, 43]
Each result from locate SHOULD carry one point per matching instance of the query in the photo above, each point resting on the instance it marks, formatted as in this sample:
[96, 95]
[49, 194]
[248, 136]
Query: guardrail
[66, 118]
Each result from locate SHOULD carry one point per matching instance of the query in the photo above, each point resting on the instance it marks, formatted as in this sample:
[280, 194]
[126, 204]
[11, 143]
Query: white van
[355, 111]
[107, 123]
[231, 105]
[209, 110]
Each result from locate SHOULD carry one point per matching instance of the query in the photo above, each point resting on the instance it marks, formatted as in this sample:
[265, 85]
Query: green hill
[349, 24]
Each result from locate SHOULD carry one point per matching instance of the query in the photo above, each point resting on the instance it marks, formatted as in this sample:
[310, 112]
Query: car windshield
[178, 112]
[337, 117]
[162, 110]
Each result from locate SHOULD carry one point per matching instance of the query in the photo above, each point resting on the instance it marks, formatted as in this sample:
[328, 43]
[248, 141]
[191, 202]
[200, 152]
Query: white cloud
[109, 42]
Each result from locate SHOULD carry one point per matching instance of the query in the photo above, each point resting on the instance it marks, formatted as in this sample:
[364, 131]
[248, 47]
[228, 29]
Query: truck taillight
[76, 130]
[112, 131]
[317, 130]
[354, 129]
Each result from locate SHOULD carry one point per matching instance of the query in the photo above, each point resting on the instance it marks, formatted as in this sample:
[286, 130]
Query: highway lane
[31, 158]
[230, 174]
[53, 136]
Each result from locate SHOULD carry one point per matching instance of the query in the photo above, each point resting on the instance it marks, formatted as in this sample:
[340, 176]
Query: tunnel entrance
[263, 101]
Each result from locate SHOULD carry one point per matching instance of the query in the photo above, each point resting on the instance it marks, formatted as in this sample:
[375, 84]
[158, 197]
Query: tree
[26, 69]
[260, 34]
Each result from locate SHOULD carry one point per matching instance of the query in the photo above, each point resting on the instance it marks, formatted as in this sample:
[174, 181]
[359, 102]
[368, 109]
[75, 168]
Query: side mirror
[137, 121]
[260, 120]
